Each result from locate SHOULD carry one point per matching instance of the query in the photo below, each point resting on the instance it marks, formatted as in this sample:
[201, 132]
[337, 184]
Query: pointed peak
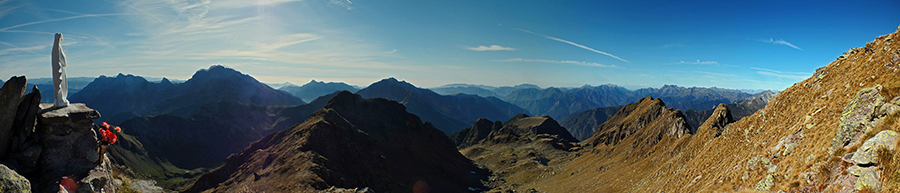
[165, 81]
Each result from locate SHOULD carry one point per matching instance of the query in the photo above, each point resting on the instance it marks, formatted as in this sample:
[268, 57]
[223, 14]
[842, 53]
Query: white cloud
[780, 74]
[594, 64]
[574, 44]
[490, 48]
[697, 62]
[780, 42]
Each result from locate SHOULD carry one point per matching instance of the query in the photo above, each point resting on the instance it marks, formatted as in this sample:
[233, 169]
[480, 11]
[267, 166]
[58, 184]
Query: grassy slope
[699, 163]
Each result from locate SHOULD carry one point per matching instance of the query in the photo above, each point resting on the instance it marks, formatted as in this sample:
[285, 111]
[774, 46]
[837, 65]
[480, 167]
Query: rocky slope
[315, 89]
[823, 134]
[351, 143]
[449, 113]
[519, 151]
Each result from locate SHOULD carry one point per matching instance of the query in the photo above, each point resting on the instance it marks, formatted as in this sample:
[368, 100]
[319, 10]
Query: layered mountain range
[126, 96]
[315, 89]
[449, 113]
[560, 103]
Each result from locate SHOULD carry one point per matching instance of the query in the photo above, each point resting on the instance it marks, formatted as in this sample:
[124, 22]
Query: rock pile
[45, 143]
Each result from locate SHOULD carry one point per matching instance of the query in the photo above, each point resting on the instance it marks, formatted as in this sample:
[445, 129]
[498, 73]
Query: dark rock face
[472, 135]
[720, 118]
[351, 143]
[10, 97]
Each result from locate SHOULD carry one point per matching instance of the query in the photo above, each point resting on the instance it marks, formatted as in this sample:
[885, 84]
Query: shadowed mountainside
[351, 143]
[126, 96]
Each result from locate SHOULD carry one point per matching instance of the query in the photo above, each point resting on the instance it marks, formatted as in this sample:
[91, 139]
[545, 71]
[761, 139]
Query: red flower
[118, 130]
[105, 125]
[107, 136]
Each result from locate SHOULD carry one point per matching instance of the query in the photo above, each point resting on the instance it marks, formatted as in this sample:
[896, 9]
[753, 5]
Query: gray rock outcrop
[10, 97]
[857, 117]
[10, 181]
[868, 152]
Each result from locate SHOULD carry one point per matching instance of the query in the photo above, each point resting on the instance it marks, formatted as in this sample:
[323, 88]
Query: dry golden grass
[698, 163]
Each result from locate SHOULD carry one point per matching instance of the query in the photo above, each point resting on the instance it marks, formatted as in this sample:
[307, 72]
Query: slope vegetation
[820, 135]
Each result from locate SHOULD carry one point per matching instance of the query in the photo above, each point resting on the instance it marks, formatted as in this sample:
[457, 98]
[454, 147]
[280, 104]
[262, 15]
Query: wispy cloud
[574, 44]
[59, 19]
[23, 49]
[697, 62]
[780, 42]
[780, 74]
[671, 46]
[594, 64]
[347, 4]
[490, 48]
[6, 8]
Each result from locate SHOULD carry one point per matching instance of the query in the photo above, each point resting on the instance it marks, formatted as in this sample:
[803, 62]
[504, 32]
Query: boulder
[10, 181]
[868, 179]
[856, 116]
[10, 97]
[868, 152]
[765, 184]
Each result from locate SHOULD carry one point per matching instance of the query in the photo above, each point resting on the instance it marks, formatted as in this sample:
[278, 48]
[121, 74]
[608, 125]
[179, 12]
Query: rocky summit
[519, 151]
[352, 143]
[647, 115]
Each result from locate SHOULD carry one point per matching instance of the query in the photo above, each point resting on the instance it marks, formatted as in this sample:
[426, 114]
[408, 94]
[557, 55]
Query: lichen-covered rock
[868, 179]
[10, 181]
[868, 152]
[856, 115]
[765, 184]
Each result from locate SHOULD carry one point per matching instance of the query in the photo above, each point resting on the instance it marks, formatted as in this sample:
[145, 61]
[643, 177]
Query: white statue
[60, 87]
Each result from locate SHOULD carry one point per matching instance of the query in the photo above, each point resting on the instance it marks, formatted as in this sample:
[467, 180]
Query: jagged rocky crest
[649, 117]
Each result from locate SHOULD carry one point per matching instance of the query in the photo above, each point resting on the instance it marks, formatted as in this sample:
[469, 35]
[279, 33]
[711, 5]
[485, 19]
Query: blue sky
[730, 44]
